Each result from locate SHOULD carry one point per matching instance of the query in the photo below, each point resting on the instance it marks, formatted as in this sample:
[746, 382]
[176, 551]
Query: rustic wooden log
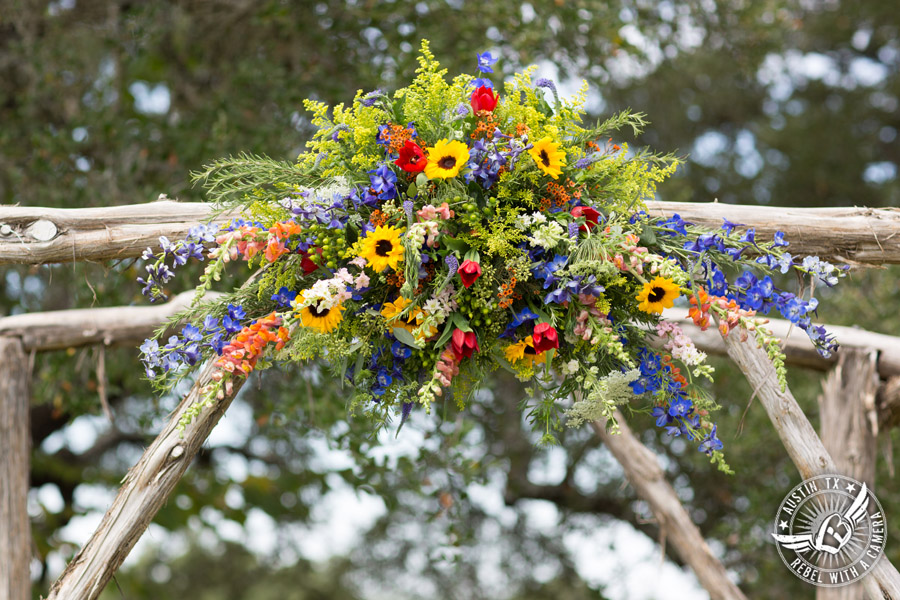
[15, 461]
[847, 425]
[801, 442]
[799, 351]
[55, 330]
[33, 235]
[797, 347]
[144, 490]
[646, 476]
[842, 234]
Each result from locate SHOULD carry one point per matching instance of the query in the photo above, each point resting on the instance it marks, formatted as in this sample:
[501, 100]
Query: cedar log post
[646, 476]
[801, 442]
[847, 422]
[15, 465]
[144, 491]
[35, 235]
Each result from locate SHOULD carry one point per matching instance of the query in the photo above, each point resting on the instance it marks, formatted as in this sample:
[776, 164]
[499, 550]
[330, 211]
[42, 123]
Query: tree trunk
[846, 422]
[646, 476]
[15, 452]
[801, 442]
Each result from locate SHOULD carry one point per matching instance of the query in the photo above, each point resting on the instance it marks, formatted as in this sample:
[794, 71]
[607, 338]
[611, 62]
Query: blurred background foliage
[778, 102]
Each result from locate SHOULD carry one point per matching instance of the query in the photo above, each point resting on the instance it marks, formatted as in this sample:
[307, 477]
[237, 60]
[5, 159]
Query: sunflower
[657, 295]
[524, 351]
[549, 158]
[322, 320]
[445, 159]
[382, 248]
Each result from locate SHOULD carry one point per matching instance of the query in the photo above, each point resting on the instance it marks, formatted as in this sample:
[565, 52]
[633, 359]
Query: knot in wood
[176, 452]
[42, 230]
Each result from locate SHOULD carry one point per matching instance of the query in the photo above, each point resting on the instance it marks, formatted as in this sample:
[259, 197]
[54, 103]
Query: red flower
[590, 215]
[307, 264]
[463, 343]
[544, 337]
[469, 271]
[412, 159]
[484, 98]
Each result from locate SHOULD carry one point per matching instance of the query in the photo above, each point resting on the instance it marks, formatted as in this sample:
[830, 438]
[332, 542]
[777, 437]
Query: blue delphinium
[485, 62]
[284, 297]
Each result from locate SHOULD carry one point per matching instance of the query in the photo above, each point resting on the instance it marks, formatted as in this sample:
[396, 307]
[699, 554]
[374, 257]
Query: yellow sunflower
[524, 351]
[549, 158]
[382, 248]
[322, 320]
[657, 295]
[445, 159]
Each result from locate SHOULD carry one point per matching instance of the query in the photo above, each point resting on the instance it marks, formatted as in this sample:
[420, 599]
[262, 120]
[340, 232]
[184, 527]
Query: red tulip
[484, 98]
[469, 271]
[412, 159]
[590, 215]
[463, 344]
[544, 337]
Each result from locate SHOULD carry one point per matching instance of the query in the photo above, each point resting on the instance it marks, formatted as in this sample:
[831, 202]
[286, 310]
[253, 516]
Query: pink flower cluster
[679, 344]
[447, 367]
[251, 241]
[635, 255]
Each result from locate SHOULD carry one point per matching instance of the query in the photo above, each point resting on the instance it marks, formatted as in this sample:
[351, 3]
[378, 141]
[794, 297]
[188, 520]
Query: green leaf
[648, 237]
[455, 244]
[405, 337]
[412, 190]
[421, 180]
[460, 321]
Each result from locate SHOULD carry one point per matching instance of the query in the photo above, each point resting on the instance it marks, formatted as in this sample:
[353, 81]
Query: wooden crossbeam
[32, 235]
[60, 329]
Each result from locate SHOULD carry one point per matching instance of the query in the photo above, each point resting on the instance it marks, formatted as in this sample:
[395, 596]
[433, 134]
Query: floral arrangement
[431, 236]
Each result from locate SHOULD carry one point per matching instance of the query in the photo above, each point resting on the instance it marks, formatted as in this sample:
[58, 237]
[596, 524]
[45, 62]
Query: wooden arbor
[33, 236]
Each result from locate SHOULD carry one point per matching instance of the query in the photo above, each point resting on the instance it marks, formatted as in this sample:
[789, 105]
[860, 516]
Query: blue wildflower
[680, 407]
[284, 297]
[485, 62]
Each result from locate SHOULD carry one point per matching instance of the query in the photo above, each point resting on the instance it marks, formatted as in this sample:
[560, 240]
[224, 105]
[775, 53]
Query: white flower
[601, 397]
[570, 368]
[548, 236]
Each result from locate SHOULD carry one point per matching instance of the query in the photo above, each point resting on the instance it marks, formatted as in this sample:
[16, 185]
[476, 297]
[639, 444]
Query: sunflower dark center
[319, 312]
[545, 158]
[383, 247]
[530, 350]
[447, 162]
[656, 294]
